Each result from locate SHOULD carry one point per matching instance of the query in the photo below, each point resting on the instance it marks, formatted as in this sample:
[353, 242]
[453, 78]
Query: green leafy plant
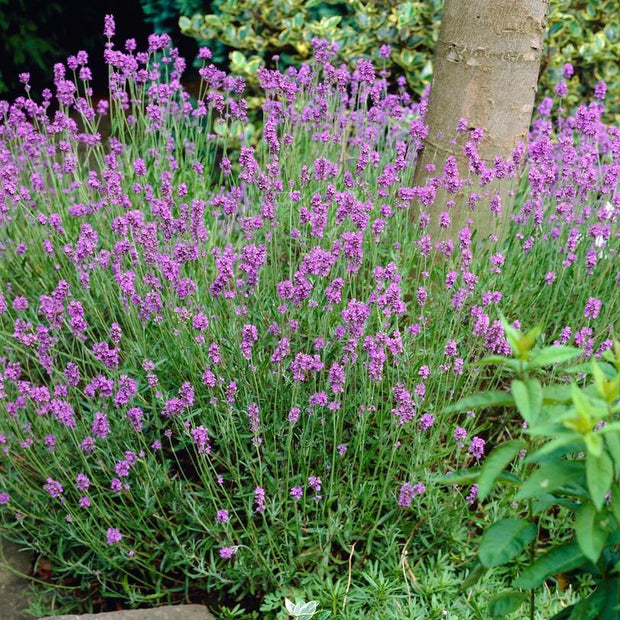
[572, 441]
[253, 31]
[587, 35]
[164, 14]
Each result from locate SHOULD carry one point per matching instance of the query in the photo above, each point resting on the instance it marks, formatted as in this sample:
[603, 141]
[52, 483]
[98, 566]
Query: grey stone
[170, 612]
[13, 586]
[13, 561]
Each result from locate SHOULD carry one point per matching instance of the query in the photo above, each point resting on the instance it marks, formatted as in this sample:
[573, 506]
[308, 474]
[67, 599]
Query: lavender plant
[224, 373]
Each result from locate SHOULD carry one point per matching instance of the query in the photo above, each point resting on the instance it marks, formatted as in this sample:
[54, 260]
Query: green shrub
[580, 33]
[25, 46]
[571, 438]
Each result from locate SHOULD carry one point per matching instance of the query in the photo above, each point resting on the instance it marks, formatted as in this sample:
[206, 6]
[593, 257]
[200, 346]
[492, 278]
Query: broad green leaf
[552, 355]
[494, 465]
[528, 398]
[599, 474]
[558, 560]
[610, 608]
[506, 603]
[555, 394]
[473, 577]
[478, 400]
[569, 442]
[590, 532]
[471, 476]
[504, 540]
[462, 476]
[594, 443]
[615, 501]
[549, 477]
[500, 360]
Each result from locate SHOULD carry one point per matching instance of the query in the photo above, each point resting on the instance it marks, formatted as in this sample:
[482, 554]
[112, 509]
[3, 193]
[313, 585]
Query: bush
[579, 33]
[225, 376]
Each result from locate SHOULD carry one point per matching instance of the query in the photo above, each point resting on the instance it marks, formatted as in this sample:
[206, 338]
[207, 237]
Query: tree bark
[486, 69]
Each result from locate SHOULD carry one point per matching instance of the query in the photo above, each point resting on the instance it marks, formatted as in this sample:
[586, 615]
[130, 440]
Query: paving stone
[170, 612]
[13, 588]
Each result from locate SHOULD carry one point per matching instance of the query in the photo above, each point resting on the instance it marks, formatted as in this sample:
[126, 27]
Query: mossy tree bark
[486, 69]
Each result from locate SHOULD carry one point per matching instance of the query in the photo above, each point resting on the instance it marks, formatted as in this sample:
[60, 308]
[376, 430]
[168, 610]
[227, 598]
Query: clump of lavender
[226, 344]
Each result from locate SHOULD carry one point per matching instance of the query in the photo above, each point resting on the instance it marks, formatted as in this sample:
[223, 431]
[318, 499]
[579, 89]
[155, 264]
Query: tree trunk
[486, 69]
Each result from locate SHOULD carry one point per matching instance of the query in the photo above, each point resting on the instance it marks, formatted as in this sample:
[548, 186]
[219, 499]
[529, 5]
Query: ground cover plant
[227, 375]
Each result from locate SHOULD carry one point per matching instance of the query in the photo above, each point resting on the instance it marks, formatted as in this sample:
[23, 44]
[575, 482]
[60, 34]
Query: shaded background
[35, 34]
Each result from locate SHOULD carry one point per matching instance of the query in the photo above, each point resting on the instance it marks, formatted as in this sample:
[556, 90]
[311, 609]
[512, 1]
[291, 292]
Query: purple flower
[385, 51]
[84, 502]
[222, 516]
[593, 307]
[460, 433]
[20, 304]
[477, 447]
[53, 487]
[426, 421]
[293, 415]
[5, 498]
[315, 483]
[227, 553]
[450, 349]
[109, 26]
[113, 536]
[101, 426]
[296, 493]
[253, 416]
[407, 492]
[259, 499]
[82, 482]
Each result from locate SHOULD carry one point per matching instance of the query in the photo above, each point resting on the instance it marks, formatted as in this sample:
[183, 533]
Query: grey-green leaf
[494, 465]
[504, 540]
[558, 560]
[590, 532]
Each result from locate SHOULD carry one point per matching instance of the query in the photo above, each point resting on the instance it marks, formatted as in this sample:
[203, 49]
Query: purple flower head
[109, 27]
[259, 499]
[477, 447]
[113, 536]
[5, 498]
[426, 421]
[355, 316]
[293, 415]
[385, 51]
[200, 436]
[296, 493]
[82, 482]
[222, 516]
[227, 553]
[407, 492]
[315, 483]
[460, 433]
[53, 487]
[101, 425]
[593, 307]
[253, 416]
